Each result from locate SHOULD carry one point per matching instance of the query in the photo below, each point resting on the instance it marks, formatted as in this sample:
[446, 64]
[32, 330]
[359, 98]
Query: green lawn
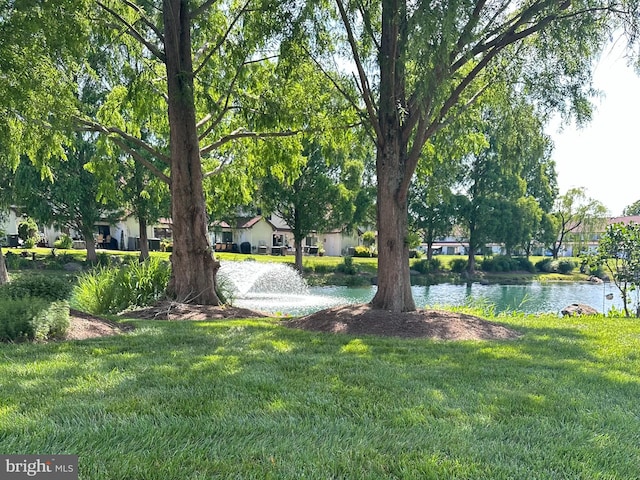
[250, 399]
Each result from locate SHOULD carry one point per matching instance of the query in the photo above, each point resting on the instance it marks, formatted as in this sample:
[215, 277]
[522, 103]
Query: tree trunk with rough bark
[144, 240]
[394, 279]
[4, 274]
[194, 269]
[90, 245]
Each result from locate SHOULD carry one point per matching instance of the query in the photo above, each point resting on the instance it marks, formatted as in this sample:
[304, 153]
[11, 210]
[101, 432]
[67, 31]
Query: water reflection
[531, 298]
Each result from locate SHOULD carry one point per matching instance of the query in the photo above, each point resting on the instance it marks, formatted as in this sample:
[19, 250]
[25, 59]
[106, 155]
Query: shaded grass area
[251, 399]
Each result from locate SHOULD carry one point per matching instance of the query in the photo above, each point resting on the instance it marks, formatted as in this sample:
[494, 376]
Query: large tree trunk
[89, 241]
[4, 274]
[394, 279]
[144, 239]
[194, 269]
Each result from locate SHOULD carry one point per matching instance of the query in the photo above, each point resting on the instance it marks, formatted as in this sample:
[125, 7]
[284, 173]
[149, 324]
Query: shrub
[112, 290]
[428, 266]
[503, 263]
[499, 263]
[549, 265]
[566, 266]
[458, 265]
[369, 238]
[594, 270]
[42, 286]
[361, 251]
[525, 264]
[322, 268]
[544, 265]
[15, 261]
[28, 231]
[64, 242]
[32, 319]
[30, 242]
[347, 267]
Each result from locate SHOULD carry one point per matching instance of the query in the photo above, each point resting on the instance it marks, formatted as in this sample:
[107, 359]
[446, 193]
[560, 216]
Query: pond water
[530, 298]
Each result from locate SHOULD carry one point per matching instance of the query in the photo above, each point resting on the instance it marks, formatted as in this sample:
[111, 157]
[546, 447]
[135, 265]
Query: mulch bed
[349, 319]
[436, 324]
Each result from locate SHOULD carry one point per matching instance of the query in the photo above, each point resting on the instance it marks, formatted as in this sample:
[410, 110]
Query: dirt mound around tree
[185, 311]
[350, 319]
[436, 324]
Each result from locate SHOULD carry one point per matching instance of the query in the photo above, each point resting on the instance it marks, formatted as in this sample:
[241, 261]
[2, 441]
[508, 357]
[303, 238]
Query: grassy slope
[250, 399]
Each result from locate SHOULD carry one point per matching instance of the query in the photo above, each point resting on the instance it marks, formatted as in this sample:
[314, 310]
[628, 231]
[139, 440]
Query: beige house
[337, 243]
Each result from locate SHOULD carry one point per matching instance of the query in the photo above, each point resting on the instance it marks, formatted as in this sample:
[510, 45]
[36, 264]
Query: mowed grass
[250, 399]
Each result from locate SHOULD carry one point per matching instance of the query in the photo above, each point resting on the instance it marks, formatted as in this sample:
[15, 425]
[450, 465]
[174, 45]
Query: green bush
[65, 242]
[28, 230]
[458, 265]
[549, 265]
[503, 263]
[525, 264]
[428, 266]
[112, 290]
[544, 265]
[566, 266]
[30, 242]
[42, 286]
[322, 268]
[15, 261]
[347, 266]
[26, 318]
[594, 270]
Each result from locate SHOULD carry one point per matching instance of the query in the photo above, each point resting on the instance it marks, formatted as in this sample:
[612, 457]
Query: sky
[604, 156]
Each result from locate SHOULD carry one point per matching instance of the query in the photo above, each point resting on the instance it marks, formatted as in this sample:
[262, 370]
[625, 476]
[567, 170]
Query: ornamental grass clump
[114, 289]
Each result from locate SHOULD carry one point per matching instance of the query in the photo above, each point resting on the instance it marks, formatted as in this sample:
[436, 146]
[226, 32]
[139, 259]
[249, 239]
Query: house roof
[626, 220]
[248, 222]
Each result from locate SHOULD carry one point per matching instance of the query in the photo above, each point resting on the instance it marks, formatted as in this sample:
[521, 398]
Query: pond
[531, 298]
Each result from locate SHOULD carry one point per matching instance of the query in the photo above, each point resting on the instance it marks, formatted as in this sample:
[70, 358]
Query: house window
[227, 237]
[311, 241]
[162, 233]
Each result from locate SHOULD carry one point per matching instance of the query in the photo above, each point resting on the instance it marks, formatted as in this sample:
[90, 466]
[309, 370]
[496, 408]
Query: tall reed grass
[114, 289]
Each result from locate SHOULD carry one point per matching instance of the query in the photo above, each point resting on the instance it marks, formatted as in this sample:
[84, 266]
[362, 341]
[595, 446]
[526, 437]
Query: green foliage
[633, 209]
[427, 266]
[549, 265]
[65, 242]
[619, 253]
[505, 263]
[14, 261]
[114, 289]
[544, 265]
[31, 318]
[566, 266]
[575, 218]
[369, 238]
[362, 251]
[458, 265]
[28, 231]
[48, 287]
[347, 266]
